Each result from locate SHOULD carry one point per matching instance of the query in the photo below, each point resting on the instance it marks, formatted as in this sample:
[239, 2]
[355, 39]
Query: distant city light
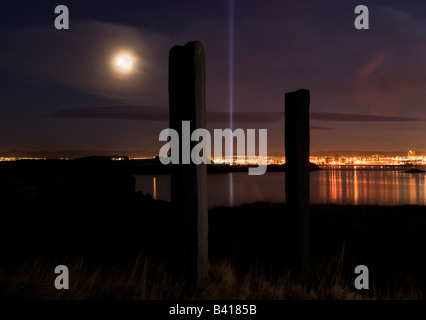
[338, 160]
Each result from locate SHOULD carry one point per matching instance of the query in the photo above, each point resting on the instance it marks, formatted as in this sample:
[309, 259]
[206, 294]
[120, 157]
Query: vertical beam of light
[231, 69]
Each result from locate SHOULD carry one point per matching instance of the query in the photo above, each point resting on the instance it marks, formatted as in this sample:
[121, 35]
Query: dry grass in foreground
[144, 280]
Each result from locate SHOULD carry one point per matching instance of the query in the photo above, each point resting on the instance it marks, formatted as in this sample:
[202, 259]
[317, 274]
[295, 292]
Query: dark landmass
[73, 154]
[93, 220]
[105, 163]
[415, 170]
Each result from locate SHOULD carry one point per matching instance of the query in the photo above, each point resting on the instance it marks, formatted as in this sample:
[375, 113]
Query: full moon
[124, 62]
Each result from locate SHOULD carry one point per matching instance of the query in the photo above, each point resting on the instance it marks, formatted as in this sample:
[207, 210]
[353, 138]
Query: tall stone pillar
[297, 169]
[187, 102]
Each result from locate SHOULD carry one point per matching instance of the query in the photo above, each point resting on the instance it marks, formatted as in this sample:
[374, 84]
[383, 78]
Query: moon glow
[123, 63]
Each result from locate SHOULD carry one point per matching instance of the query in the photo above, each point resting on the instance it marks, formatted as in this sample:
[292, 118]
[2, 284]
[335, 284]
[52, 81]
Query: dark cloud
[149, 113]
[320, 128]
[334, 116]
[118, 112]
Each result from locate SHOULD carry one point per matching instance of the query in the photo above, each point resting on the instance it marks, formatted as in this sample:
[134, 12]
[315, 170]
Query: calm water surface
[331, 185]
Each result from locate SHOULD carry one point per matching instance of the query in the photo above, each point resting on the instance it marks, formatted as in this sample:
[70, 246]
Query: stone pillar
[297, 169]
[187, 102]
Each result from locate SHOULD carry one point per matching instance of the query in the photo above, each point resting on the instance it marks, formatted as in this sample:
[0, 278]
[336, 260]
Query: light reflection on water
[340, 186]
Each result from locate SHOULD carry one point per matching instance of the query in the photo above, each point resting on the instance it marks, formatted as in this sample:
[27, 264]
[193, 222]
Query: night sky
[59, 90]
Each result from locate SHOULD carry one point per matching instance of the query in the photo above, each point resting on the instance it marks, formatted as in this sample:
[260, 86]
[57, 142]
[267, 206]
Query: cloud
[376, 76]
[379, 71]
[320, 128]
[391, 74]
[352, 117]
[150, 113]
[117, 112]
[80, 58]
[370, 67]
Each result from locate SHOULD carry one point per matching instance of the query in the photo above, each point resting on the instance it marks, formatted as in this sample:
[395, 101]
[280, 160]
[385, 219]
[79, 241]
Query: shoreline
[153, 166]
[91, 217]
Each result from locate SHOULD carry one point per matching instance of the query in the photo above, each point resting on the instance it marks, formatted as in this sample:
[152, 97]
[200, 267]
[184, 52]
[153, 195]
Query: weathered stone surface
[297, 168]
[187, 102]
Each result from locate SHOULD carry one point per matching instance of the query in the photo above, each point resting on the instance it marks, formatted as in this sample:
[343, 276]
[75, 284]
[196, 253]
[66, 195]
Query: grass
[142, 279]
[120, 244]
[121, 248]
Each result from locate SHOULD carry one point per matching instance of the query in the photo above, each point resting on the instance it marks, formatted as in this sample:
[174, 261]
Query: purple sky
[368, 87]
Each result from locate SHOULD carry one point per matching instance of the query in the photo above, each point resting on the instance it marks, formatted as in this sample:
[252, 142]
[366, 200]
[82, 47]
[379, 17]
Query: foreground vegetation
[126, 255]
[141, 279]
[120, 244]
